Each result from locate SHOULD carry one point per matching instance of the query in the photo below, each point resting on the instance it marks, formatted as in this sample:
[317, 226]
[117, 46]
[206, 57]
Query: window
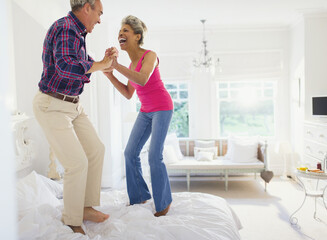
[180, 121]
[246, 108]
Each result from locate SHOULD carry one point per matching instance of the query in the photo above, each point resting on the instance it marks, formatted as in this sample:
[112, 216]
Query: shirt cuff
[86, 65]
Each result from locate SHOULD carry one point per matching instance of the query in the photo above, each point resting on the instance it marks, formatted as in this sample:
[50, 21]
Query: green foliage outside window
[238, 116]
[258, 120]
[180, 120]
[179, 123]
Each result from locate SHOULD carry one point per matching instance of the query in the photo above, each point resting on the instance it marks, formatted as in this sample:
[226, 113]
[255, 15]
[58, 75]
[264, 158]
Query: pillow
[204, 156]
[172, 140]
[204, 143]
[212, 150]
[169, 155]
[244, 153]
[31, 193]
[239, 140]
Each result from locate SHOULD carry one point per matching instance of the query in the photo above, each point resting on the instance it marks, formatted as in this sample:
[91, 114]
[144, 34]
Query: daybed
[222, 165]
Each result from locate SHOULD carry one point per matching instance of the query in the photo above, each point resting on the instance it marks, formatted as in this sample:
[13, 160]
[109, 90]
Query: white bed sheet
[193, 216]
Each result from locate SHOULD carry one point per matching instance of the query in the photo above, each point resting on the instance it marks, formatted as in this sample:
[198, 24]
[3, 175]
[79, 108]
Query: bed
[195, 216]
[192, 216]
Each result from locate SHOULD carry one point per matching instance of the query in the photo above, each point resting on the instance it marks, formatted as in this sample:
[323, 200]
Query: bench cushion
[189, 163]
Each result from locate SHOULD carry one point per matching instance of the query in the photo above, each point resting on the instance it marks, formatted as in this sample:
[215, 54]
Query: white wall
[315, 59]
[8, 229]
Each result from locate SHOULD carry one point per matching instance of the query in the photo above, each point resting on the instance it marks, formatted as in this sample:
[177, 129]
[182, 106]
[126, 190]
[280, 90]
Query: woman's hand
[112, 52]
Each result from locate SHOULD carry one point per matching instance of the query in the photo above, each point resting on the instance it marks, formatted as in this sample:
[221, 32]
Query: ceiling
[177, 13]
[187, 13]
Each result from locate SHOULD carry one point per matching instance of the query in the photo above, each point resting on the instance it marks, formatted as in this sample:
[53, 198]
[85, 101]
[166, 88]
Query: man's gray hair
[78, 4]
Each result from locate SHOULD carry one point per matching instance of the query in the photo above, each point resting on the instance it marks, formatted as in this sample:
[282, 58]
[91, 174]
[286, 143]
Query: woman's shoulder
[149, 56]
[150, 53]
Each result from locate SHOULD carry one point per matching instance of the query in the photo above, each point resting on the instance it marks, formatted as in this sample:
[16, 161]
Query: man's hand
[108, 70]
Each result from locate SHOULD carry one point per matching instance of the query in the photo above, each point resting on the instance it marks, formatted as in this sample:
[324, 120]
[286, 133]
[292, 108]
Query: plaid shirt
[65, 61]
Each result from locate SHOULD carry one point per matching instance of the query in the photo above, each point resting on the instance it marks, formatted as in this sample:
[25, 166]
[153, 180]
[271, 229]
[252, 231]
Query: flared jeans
[155, 124]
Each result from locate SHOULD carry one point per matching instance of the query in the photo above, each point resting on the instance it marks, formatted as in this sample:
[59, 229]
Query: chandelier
[205, 60]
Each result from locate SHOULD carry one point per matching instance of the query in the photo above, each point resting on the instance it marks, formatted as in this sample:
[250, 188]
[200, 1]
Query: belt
[63, 97]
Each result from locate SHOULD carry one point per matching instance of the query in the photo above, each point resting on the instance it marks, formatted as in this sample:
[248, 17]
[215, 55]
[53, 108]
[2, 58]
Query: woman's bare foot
[90, 214]
[163, 212]
[77, 229]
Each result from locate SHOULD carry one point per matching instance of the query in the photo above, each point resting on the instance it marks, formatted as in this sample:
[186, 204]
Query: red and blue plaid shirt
[65, 61]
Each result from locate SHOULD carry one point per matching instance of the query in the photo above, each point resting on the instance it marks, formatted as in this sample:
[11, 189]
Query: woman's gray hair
[137, 25]
[78, 4]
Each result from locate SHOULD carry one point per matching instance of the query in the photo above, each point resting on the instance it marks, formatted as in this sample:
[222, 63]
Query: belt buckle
[75, 100]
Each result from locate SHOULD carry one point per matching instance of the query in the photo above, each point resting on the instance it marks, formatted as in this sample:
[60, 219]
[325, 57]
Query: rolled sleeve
[86, 65]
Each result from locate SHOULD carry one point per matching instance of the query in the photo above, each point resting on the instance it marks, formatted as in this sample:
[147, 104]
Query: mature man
[66, 68]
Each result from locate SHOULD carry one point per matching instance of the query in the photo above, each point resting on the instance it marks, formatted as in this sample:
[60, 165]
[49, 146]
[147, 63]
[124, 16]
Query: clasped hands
[110, 58]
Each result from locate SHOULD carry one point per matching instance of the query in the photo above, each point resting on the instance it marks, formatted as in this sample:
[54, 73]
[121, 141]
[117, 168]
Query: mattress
[193, 216]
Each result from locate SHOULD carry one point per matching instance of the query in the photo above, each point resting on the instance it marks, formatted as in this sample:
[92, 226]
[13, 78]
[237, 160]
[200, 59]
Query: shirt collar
[81, 28]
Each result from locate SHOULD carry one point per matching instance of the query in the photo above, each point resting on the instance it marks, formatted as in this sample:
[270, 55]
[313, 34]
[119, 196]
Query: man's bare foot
[77, 229]
[163, 212]
[90, 214]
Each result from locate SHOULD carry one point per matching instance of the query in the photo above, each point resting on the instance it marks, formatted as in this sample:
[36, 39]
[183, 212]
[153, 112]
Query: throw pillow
[172, 140]
[213, 150]
[244, 140]
[244, 153]
[169, 155]
[204, 156]
[204, 143]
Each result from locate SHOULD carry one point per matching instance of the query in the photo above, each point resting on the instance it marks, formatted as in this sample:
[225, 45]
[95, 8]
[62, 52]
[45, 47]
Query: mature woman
[154, 117]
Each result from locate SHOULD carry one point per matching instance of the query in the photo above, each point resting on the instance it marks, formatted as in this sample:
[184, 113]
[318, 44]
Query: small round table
[310, 192]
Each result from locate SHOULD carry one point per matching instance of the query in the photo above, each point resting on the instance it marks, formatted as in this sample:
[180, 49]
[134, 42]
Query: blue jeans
[155, 124]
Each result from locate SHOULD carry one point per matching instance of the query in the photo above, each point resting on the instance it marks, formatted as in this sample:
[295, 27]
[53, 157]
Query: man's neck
[80, 17]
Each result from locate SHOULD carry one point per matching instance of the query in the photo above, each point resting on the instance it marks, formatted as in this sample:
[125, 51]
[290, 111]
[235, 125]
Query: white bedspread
[195, 216]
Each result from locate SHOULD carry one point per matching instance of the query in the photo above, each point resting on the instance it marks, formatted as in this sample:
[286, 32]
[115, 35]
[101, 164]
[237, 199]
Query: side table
[316, 192]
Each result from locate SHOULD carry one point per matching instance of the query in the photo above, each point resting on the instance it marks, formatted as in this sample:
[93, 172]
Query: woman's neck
[135, 54]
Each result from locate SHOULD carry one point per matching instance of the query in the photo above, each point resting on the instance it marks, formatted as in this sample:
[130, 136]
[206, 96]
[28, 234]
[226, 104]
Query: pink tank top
[153, 95]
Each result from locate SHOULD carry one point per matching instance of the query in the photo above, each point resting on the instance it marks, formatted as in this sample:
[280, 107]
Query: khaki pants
[78, 148]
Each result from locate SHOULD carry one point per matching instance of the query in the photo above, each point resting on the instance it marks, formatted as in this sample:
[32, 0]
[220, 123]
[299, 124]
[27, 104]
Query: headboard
[22, 145]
